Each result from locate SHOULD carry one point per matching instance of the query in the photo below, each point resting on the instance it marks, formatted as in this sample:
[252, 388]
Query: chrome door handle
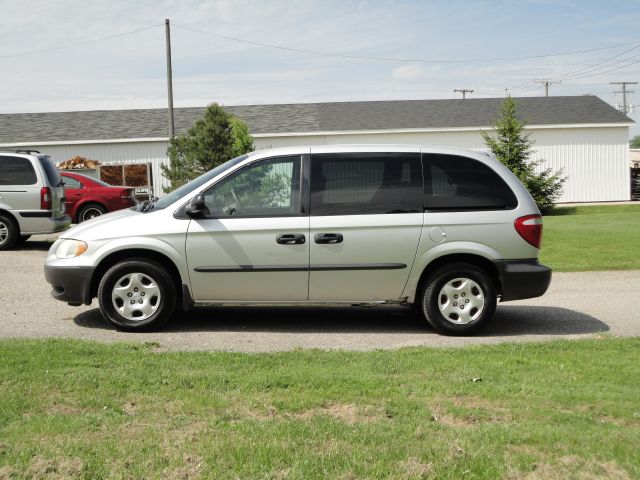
[290, 239]
[328, 238]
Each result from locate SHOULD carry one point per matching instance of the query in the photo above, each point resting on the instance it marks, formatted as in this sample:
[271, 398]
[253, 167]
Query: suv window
[366, 183]
[265, 188]
[16, 171]
[50, 170]
[454, 182]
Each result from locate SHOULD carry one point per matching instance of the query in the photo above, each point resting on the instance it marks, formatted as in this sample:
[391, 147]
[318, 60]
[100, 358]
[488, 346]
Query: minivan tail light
[45, 198]
[530, 228]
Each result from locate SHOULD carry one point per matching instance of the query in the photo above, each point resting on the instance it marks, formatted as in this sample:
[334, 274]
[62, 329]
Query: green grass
[72, 409]
[592, 238]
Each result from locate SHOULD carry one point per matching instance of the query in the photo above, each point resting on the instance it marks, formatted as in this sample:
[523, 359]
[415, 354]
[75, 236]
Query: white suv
[31, 197]
[449, 231]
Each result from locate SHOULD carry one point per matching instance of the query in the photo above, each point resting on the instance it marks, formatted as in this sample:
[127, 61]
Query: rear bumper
[70, 284]
[523, 279]
[33, 225]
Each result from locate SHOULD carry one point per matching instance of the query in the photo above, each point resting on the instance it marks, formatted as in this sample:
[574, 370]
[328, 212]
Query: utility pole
[464, 92]
[169, 79]
[546, 84]
[624, 92]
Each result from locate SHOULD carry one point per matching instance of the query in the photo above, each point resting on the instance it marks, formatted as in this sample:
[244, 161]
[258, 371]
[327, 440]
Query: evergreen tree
[513, 147]
[214, 139]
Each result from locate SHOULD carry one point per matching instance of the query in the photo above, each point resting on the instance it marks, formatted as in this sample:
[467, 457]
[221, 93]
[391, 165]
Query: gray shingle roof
[306, 117]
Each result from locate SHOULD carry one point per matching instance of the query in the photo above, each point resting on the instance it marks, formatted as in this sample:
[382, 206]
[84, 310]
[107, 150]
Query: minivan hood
[114, 224]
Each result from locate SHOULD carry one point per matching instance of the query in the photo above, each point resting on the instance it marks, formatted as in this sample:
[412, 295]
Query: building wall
[595, 160]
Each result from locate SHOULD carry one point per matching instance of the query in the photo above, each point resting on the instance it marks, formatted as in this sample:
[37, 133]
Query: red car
[89, 197]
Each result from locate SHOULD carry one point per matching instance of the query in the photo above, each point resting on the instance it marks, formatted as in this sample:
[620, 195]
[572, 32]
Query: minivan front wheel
[137, 295]
[458, 299]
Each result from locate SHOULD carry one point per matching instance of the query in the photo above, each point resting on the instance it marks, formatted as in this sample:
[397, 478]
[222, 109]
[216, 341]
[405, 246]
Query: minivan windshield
[187, 188]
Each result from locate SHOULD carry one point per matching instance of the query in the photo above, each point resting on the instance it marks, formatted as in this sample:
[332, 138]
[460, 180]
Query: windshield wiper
[148, 204]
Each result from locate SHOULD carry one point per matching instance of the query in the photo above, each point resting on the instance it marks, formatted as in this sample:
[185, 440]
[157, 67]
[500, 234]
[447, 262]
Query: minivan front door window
[270, 187]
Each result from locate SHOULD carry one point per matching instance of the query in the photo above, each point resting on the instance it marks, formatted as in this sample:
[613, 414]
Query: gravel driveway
[578, 305]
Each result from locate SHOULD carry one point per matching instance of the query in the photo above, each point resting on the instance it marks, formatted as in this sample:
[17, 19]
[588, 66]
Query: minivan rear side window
[365, 183]
[51, 171]
[16, 171]
[454, 182]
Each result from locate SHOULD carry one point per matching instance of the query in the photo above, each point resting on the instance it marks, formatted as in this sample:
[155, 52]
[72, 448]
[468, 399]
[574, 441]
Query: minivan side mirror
[197, 208]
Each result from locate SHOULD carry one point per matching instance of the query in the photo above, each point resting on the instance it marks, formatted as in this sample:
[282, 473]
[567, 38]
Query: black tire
[22, 238]
[9, 232]
[89, 211]
[166, 300]
[480, 289]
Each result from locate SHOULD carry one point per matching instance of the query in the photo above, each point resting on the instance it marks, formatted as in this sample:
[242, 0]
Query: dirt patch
[452, 421]
[130, 408]
[572, 468]
[280, 474]
[62, 409]
[190, 468]
[8, 473]
[525, 450]
[347, 413]
[474, 411]
[41, 468]
[414, 468]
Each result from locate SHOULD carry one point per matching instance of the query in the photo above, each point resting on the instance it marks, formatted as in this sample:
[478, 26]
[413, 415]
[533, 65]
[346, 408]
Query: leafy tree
[635, 142]
[214, 139]
[514, 148]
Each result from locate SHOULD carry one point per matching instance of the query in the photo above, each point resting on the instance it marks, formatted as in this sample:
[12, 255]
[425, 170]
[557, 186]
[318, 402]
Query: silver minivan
[31, 197]
[448, 231]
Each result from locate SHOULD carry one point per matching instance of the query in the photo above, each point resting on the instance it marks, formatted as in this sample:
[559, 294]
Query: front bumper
[70, 284]
[523, 279]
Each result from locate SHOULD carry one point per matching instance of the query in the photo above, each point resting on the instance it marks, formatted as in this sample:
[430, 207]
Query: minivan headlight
[71, 248]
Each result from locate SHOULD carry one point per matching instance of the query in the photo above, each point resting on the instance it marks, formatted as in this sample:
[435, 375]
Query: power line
[392, 59]
[70, 45]
[584, 72]
[591, 68]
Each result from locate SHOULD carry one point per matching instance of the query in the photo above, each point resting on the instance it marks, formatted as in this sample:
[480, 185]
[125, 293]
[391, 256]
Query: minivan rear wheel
[137, 295]
[8, 232]
[458, 299]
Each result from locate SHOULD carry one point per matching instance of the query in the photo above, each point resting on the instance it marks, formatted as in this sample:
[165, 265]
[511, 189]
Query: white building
[584, 136]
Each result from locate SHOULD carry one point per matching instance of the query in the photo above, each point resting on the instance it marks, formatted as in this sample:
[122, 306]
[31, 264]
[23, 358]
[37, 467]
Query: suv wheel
[8, 232]
[458, 299]
[90, 211]
[137, 295]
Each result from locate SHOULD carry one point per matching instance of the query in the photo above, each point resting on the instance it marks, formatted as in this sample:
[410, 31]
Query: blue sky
[129, 71]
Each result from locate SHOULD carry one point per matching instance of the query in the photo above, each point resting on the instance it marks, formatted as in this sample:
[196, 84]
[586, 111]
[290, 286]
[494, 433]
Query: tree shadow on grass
[508, 320]
[560, 211]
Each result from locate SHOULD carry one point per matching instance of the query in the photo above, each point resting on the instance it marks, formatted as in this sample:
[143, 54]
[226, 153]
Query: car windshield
[194, 184]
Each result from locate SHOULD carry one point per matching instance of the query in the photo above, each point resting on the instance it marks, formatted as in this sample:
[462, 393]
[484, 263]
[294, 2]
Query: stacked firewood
[77, 163]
